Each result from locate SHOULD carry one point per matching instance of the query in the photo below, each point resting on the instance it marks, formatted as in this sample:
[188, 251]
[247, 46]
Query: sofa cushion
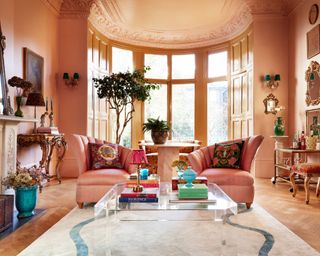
[103, 177]
[228, 176]
[103, 156]
[227, 155]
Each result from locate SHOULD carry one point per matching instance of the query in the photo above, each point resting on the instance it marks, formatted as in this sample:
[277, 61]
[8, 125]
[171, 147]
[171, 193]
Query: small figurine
[8, 110]
[43, 119]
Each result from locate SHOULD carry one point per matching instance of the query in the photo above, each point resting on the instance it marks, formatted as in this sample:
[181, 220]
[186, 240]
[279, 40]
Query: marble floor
[59, 199]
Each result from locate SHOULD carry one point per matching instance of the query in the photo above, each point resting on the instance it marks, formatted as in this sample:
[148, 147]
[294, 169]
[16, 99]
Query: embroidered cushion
[104, 156]
[227, 155]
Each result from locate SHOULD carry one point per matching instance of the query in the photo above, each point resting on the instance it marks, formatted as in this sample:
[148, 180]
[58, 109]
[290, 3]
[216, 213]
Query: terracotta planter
[159, 137]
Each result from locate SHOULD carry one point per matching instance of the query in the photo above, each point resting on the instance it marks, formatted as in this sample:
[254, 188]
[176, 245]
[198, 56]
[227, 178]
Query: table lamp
[35, 99]
[138, 158]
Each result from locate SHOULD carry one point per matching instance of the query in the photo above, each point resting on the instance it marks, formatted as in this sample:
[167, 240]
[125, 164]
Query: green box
[197, 191]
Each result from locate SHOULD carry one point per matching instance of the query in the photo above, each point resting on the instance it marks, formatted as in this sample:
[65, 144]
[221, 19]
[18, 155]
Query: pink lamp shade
[139, 157]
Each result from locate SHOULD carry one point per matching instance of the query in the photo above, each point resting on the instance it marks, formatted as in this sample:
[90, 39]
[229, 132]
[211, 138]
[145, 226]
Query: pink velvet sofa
[93, 184]
[237, 183]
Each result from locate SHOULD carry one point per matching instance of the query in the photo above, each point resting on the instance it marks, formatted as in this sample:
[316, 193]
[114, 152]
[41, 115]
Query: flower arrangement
[23, 177]
[23, 87]
[180, 164]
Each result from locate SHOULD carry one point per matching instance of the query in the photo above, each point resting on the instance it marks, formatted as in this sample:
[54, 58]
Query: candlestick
[51, 104]
[46, 104]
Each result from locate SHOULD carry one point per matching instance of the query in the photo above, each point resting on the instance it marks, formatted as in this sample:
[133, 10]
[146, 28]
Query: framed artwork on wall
[313, 42]
[313, 121]
[33, 69]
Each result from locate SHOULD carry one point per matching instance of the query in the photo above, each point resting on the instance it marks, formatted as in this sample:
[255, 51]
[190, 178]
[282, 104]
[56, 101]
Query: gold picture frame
[33, 69]
[313, 42]
[312, 118]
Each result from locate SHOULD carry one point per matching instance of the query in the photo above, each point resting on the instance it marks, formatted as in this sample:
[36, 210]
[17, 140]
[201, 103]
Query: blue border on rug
[82, 248]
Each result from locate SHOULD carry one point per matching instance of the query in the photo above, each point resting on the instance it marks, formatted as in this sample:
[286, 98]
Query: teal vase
[26, 199]
[19, 102]
[279, 127]
[189, 175]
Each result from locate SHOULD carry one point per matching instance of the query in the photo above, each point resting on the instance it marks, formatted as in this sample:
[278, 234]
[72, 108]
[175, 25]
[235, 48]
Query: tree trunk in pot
[159, 137]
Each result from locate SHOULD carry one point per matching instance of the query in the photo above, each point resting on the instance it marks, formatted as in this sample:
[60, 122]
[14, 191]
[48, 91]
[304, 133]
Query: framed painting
[313, 121]
[33, 69]
[313, 42]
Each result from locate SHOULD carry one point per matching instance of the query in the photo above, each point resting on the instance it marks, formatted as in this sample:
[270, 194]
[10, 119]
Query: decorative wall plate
[313, 13]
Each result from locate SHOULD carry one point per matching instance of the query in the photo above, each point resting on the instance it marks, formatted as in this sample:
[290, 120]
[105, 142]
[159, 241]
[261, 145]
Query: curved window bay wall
[200, 94]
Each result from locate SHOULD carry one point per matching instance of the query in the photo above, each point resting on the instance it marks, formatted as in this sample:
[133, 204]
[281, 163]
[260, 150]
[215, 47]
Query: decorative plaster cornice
[106, 16]
[101, 17]
[75, 8]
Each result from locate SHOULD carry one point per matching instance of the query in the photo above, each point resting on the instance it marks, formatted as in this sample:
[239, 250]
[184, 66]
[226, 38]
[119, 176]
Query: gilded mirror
[270, 104]
[3, 81]
[313, 84]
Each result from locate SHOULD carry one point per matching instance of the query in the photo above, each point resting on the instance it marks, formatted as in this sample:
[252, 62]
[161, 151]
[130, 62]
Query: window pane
[218, 64]
[183, 111]
[158, 65]
[217, 112]
[157, 107]
[122, 60]
[126, 135]
[183, 66]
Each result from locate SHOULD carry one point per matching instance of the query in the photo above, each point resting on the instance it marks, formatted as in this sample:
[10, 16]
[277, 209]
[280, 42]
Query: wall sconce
[73, 81]
[272, 82]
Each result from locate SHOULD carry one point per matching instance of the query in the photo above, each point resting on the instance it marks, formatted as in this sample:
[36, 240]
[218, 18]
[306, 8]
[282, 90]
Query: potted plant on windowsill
[25, 182]
[159, 130]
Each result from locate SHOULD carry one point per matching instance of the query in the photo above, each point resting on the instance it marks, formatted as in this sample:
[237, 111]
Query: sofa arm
[197, 161]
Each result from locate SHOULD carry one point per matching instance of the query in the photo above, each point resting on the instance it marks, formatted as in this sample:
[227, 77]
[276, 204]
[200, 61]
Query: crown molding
[101, 17]
[75, 8]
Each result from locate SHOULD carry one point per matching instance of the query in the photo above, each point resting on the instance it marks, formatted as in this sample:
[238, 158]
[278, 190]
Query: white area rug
[253, 232]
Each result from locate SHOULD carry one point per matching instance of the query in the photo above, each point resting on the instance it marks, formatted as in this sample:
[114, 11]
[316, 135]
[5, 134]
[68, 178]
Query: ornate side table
[47, 142]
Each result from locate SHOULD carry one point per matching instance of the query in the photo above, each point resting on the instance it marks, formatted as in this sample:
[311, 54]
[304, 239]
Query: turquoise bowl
[26, 199]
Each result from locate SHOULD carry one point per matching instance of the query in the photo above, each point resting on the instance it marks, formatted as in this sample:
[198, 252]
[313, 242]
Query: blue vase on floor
[26, 199]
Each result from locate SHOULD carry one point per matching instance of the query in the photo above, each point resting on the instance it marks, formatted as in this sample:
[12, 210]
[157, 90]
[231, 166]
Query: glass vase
[279, 127]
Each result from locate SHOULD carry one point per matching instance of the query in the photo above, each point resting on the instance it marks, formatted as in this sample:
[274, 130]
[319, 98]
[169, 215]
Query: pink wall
[298, 28]
[73, 101]
[30, 24]
[270, 53]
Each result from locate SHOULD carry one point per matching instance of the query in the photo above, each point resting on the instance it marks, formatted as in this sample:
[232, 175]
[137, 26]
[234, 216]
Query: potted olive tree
[121, 90]
[159, 130]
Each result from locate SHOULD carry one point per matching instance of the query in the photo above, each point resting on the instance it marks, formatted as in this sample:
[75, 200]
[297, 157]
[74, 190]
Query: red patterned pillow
[104, 156]
[227, 155]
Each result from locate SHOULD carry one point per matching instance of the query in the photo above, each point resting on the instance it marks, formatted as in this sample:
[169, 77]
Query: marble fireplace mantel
[8, 143]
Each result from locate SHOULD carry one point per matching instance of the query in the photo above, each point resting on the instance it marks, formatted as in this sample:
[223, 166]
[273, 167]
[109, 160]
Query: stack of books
[152, 183]
[197, 191]
[148, 195]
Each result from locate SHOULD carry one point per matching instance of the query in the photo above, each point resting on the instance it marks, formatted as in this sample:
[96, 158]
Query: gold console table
[47, 142]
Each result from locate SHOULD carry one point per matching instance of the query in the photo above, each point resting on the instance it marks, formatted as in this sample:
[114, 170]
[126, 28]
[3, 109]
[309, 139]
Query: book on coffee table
[174, 198]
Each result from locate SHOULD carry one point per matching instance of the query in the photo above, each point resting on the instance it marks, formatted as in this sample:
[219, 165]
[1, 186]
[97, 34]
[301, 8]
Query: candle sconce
[271, 104]
[272, 82]
[71, 81]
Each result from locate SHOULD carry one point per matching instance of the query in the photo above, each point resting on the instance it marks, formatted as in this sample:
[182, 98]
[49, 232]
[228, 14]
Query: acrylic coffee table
[164, 214]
